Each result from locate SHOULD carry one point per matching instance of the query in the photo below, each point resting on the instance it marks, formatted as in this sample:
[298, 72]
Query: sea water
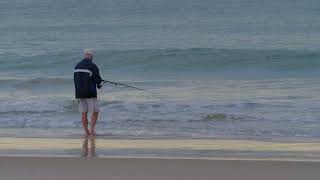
[239, 69]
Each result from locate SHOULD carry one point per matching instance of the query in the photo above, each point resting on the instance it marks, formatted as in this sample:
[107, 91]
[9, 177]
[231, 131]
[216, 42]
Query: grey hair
[88, 51]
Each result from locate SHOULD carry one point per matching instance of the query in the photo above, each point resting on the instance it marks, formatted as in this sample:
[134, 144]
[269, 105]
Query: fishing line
[152, 94]
[121, 84]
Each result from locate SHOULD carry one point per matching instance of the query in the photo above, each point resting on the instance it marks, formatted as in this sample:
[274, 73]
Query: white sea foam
[167, 118]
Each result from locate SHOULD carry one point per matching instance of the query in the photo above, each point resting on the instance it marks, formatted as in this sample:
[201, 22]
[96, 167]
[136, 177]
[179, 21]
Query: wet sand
[161, 148]
[155, 159]
[73, 168]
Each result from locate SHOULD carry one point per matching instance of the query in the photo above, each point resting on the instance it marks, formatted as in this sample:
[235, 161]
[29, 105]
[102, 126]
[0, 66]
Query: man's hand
[99, 86]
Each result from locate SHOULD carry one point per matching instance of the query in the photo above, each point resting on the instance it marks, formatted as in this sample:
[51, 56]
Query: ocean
[229, 69]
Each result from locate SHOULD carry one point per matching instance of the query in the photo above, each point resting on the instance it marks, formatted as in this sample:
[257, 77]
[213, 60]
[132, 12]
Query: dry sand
[73, 168]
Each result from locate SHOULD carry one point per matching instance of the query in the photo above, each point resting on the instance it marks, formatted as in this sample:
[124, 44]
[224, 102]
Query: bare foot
[87, 133]
[93, 132]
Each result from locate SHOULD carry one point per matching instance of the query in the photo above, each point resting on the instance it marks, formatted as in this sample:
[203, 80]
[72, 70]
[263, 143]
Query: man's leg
[85, 123]
[94, 118]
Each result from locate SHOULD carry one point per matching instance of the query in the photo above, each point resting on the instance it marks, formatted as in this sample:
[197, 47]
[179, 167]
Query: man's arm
[96, 76]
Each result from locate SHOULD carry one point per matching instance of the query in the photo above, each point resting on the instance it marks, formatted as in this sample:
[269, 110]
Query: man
[86, 80]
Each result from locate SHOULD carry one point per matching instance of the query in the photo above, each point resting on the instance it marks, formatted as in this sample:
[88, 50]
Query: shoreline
[214, 149]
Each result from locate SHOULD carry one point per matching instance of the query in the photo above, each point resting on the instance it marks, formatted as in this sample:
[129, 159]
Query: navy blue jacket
[86, 79]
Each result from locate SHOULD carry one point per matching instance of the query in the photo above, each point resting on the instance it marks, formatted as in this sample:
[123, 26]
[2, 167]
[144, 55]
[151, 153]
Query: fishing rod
[116, 83]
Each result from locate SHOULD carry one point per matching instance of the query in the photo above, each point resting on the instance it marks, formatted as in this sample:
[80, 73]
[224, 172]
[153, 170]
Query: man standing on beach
[86, 80]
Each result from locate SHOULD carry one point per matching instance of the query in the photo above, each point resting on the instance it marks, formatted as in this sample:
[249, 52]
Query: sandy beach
[161, 148]
[71, 168]
[155, 159]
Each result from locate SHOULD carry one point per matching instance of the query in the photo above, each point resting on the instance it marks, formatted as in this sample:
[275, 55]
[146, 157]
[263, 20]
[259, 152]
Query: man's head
[88, 53]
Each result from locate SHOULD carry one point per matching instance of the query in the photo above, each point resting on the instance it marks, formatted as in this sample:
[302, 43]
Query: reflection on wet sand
[89, 150]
